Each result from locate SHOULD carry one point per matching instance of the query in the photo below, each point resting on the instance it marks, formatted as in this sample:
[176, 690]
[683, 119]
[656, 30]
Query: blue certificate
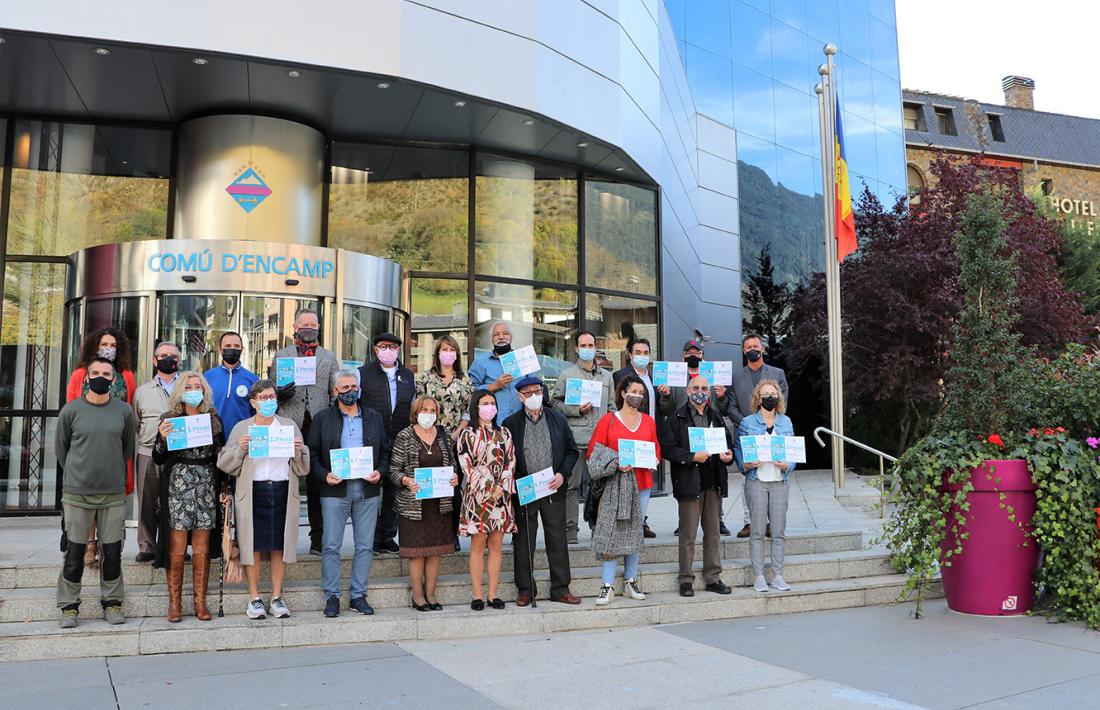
[639, 454]
[434, 482]
[284, 371]
[537, 485]
[190, 432]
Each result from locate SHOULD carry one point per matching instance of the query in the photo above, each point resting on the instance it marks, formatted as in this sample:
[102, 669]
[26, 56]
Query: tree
[768, 303]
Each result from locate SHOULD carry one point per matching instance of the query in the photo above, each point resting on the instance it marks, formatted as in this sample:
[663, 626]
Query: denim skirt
[269, 515]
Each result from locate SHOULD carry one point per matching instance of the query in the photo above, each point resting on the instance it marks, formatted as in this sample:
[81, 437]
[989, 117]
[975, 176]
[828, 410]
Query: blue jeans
[630, 562]
[364, 515]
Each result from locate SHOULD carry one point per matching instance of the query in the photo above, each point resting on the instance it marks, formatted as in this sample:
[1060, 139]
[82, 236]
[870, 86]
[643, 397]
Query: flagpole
[827, 102]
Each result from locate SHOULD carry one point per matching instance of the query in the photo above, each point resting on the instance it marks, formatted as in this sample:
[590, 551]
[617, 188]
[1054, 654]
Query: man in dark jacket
[347, 425]
[699, 483]
[542, 439]
[387, 387]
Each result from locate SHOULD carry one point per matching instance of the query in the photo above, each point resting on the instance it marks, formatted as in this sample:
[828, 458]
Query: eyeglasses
[267, 397]
[387, 346]
[352, 388]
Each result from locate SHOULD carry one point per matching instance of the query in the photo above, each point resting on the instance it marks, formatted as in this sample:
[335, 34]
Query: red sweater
[610, 429]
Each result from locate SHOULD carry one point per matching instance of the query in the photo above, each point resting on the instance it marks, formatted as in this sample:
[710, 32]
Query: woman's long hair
[437, 368]
[89, 349]
[175, 402]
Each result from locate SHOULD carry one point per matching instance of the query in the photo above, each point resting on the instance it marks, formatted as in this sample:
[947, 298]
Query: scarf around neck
[305, 349]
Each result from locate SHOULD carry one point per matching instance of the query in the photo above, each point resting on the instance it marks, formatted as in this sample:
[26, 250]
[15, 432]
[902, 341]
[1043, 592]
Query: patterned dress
[453, 398]
[489, 460]
[191, 495]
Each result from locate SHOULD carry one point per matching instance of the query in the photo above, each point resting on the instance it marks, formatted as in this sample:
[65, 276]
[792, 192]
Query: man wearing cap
[487, 372]
[387, 387]
[542, 440]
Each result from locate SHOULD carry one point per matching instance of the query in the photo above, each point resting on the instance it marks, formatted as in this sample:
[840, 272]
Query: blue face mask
[192, 397]
[268, 407]
[641, 361]
[587, 354]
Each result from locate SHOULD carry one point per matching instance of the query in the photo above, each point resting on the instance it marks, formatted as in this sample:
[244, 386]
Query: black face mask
[693, 361]
[501, 349]
[99, 385]
[307, 335]
[167, 365]
[231, 356]
[754, 355]
[769, 403]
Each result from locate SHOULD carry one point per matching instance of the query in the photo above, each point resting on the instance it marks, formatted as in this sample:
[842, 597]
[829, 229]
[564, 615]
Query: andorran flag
[845, 219]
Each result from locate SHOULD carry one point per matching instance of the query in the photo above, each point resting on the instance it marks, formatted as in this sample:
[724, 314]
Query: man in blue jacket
[230, 382]
[487, 372]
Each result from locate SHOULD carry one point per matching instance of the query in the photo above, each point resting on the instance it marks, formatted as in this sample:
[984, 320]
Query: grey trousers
[110, 529]
[146, 491]
[768, 502]
[573, 495]
[706, 509]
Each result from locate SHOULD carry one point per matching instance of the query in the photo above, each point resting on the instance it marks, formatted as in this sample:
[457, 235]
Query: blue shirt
[391, 376]
[230, 389]
[754, 425]
[352, 434]
[485, 371]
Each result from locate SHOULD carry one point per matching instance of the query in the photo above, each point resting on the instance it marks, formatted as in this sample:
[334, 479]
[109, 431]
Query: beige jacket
[235, 462]
[150, 401]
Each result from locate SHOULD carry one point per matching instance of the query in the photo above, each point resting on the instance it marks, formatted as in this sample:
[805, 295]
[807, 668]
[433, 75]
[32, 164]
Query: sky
[965, 47]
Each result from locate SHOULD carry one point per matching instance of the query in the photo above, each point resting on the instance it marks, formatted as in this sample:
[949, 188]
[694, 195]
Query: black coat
[562, 444]
[676, 447]
[375, 389]
[324, 435]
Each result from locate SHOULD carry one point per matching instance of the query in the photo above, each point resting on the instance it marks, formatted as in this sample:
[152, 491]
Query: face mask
[769, 403]
[348, 398]
[502, 348]
[99, 385]
[167, 365]
[192, 397]
[587, 354]
[699, 397]
[634, 400]
[231, 356]
[447, 357]
[307, 335]
[693, 361]
[641, 361]
[387, 357]
[108, 353]
[488, 412]
[754, 355]
[534, 402]
[426, 420]
[267, 408]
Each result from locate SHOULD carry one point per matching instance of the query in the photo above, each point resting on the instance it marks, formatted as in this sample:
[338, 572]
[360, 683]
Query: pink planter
[993, 575]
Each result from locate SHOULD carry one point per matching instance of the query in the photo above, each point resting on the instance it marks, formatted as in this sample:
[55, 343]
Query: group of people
[489, 428]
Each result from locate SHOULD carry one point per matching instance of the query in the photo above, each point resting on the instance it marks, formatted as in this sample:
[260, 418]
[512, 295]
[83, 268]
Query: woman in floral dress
[488, 459]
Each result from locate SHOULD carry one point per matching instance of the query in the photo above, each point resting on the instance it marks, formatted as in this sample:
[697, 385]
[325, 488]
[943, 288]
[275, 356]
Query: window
[615, 321]
[543, 317]
[912, 116]
[438, 308]
[945, 121]
[995, 128]
[1047, 186]
[620, 233]
[914, 178]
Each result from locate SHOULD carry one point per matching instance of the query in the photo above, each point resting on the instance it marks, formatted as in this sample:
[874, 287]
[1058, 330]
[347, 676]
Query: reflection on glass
[526, 220]
[543, 317]
[884, 47]
[30, 349]
[620, 231]
[711, 80]
[28, 466]
[439, 307]
[615, 321]
[405, 204]
[708, 26]
[752, 41]
[791, 60]
[69, 190]
[855, 37]
[267, 325]
[795, 116]
[793, 12]
[753, 102]
[124, 313]
[196, 324]
[361, 324]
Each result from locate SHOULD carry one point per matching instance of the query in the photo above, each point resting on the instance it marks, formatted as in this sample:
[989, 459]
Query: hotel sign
[1075, 209]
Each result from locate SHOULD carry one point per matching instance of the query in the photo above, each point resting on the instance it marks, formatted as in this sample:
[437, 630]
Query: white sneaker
[256, 610]
[779, 584]
[607, 593]
[632, 590]
[278, 608]
[761, 584]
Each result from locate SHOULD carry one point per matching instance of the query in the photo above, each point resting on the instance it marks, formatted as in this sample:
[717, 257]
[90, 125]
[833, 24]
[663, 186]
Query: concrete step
[151, 600]
[38, 640]
[17, 576]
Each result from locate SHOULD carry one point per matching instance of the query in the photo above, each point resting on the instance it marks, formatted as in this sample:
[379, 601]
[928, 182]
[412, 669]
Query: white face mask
[534, 402]
[426, 420]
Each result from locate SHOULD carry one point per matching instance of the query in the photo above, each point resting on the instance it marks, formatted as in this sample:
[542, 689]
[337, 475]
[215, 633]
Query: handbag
[231, 554]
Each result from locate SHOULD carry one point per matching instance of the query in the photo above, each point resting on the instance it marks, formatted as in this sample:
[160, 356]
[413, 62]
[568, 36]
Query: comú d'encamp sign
[205, 261]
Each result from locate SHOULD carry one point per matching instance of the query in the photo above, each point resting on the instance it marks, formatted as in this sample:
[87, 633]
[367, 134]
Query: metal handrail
[882, 457]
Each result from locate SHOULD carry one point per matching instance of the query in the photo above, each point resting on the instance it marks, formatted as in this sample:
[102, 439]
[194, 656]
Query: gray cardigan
[618, 528]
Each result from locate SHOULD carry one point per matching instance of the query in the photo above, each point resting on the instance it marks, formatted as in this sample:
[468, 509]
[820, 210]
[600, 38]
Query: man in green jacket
[94, 442]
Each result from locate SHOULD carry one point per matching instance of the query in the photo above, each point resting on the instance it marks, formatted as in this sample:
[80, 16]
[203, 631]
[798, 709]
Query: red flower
[995, 439]
[1060, 430]
[1048, 431]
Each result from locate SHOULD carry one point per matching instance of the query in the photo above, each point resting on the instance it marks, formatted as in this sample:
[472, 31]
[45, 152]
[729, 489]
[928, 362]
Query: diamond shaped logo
[249, 190]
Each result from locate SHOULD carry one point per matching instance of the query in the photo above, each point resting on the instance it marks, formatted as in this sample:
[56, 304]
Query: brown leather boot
[200, 574]
[175, 587]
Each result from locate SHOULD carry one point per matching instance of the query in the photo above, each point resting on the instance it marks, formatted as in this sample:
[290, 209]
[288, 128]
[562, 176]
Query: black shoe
[647, 533]
[458, 545]
[718, 588]
[676, 531]
[422, 607]
[387, 546]
[477, 604]
[315, 550]
[723, 529]
[332, 607]
[496, 603]
[360, 605]
[435, 606]
[144, 557]
[686, 590]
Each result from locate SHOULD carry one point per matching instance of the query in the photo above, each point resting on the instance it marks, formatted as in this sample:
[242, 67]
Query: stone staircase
[828, 570]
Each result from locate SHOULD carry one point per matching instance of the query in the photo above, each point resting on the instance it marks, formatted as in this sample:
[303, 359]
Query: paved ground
[857, 658]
